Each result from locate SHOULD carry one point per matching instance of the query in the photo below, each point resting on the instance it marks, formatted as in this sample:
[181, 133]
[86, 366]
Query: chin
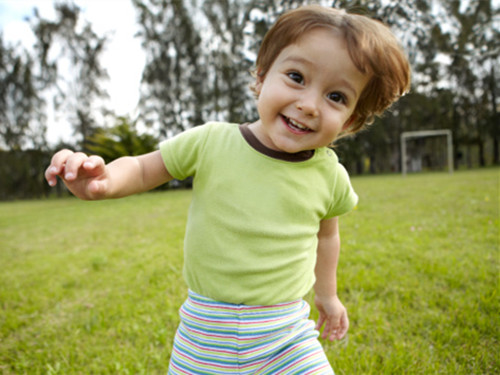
[291, 149]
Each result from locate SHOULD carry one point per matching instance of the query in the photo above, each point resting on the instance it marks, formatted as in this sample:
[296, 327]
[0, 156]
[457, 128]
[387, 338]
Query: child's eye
[337, 97]
[296, 77]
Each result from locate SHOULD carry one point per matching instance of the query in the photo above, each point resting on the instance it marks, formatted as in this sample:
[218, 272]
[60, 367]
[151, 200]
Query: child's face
[309, 94]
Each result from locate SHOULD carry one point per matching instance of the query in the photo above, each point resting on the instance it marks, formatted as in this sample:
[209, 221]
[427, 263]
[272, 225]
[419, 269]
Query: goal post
[422, 134]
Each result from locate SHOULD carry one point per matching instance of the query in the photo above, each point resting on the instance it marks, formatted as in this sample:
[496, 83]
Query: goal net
[426, 151]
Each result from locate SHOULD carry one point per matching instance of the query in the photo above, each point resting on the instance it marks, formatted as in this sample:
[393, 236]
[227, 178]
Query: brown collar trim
[253, 141]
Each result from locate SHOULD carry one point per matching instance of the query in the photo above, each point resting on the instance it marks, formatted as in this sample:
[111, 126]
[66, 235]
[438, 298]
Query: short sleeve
[182, 153]
[344, 196]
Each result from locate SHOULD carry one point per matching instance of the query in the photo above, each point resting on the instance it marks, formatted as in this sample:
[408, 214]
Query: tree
[174, 78]
[21, 119]
[474, 51]
[453, 47]
[123, 139]
[229, 62]
[75, 86]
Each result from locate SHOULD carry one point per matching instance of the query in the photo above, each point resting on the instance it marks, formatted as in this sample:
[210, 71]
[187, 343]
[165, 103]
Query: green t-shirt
[251, 234]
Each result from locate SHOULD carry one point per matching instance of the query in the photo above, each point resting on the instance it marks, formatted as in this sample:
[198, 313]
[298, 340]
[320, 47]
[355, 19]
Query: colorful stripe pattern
[221, 338]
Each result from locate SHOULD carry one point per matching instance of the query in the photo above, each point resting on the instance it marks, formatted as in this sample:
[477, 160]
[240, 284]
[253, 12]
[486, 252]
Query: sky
[124, 58]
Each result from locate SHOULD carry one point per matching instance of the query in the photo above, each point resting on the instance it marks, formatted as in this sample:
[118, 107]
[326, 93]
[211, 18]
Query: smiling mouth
[295, 126]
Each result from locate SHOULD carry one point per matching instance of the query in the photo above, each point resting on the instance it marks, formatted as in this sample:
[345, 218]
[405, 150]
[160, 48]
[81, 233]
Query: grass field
[94, 287]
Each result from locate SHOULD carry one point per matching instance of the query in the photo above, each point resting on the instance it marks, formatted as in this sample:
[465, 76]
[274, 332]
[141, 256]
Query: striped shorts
[222, 338]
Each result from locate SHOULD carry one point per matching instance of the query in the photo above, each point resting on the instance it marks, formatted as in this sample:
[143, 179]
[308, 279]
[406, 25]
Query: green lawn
[94, 287]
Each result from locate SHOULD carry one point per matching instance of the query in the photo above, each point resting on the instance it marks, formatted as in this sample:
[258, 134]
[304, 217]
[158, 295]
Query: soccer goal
[413, 158]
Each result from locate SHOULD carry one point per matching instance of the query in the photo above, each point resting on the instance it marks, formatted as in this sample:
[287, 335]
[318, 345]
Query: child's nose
[308, 103]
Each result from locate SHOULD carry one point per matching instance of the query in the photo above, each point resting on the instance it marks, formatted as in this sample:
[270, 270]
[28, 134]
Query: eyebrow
[305, 61]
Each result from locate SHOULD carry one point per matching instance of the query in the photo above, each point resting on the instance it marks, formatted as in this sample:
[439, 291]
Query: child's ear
[259, 81]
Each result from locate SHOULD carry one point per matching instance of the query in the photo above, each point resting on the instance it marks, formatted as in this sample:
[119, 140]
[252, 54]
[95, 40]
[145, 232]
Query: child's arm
[89, 178]
[332, 312]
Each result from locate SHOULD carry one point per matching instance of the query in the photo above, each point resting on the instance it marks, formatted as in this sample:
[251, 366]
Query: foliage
[454, 55]
[95, 287]
[199, 54]
[460, 96]
[474, 51]
[19, 100]
[194, 73]
[76, 83]
[22, 174]
[123, 139]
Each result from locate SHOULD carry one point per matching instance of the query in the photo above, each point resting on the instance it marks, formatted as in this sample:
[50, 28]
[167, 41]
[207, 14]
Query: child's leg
[221, 338]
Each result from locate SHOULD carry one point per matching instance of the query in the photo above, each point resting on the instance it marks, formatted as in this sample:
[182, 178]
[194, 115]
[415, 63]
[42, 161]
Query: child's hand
[85, 176]
[333, 315]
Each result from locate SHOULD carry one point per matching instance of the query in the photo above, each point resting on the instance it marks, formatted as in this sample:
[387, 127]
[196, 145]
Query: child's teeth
[300, 126]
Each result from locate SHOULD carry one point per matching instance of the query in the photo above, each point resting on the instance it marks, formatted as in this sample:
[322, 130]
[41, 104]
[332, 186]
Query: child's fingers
[320, 322]
[344, 326]
[73, 164]
[59, 158]
[333, 315]
[339, 328]
[331, 330]
[335, 328]
[94, 165]
[50, 175]
[56, 166]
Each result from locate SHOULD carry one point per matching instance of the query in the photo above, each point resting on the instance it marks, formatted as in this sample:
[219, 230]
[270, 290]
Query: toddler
[263, 225]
